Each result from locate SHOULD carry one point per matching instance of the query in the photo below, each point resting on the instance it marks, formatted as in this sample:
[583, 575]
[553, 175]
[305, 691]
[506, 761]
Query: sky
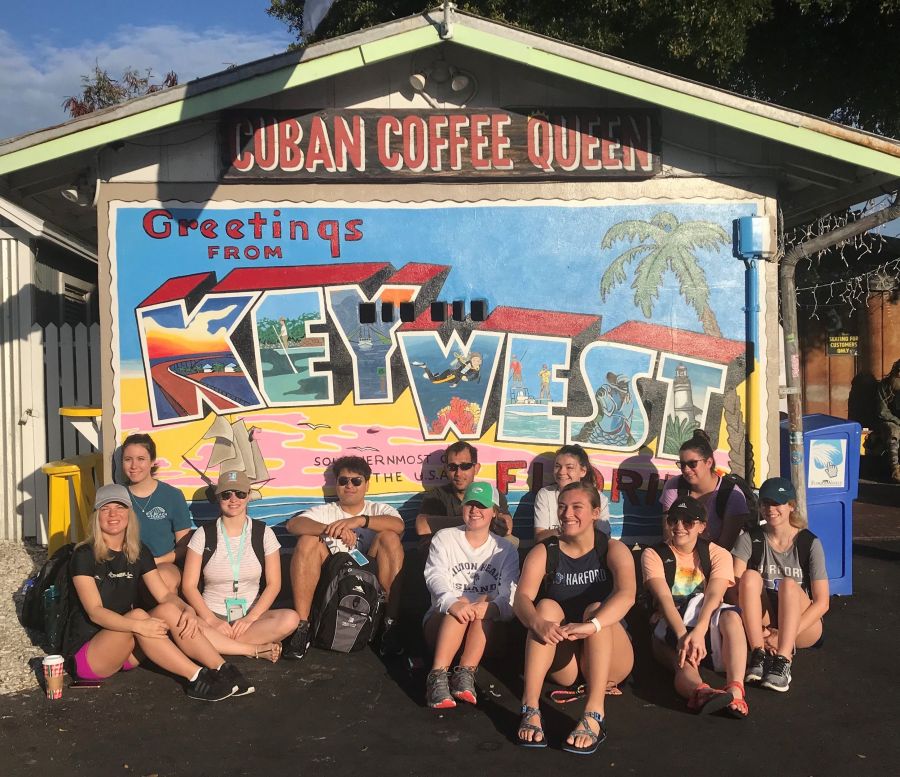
[46, 47]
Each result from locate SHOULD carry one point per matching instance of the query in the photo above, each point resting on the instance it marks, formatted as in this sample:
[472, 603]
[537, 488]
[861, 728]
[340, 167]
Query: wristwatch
[365, 522]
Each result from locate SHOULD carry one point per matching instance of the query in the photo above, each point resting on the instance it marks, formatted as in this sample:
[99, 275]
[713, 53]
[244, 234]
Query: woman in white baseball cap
[238, 561]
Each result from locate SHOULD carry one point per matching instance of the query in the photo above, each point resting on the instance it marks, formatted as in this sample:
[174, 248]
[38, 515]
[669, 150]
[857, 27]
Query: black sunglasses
[226, 495]
[357, 481]
[686, 522]
[465, 466]
[692, 464]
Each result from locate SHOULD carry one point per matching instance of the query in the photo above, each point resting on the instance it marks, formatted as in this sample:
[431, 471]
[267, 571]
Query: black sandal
[530, 712]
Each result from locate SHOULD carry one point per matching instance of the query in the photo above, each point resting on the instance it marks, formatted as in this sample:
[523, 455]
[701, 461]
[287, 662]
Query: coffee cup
[53, 676]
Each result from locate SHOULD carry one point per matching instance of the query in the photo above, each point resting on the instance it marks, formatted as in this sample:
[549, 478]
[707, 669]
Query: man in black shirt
[442, 505]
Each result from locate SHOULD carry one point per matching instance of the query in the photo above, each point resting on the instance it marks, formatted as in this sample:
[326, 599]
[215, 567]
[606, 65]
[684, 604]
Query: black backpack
[347, 605]
[730, 481]
[803, 542]
[257, 540]
[667, 556]
[46, 606]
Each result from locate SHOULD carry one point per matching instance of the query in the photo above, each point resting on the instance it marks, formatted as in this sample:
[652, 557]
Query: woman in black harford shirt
[107, 632]
[573, 619]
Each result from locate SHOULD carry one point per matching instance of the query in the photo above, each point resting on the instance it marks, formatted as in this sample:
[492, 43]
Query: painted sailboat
[235, 449]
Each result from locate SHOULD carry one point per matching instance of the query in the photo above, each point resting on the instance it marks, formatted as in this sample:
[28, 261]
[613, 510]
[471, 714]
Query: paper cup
[53, 676]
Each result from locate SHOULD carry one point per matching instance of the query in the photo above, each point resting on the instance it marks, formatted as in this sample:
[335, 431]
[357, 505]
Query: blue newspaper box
[831, 449]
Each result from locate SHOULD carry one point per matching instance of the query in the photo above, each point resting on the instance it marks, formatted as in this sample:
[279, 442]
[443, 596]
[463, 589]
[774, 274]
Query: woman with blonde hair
[783, 586]
[108, 631]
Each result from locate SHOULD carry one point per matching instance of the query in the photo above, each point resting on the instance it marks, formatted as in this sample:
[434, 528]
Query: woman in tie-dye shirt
[688, 577]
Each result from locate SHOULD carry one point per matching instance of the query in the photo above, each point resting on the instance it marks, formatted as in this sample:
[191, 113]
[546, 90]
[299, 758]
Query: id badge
[357, 555]
[235, 609]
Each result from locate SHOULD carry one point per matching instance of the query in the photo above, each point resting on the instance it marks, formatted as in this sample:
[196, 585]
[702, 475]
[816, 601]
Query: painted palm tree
[665, 244]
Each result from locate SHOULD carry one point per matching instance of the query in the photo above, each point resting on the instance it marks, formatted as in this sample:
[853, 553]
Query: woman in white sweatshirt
[471, 575]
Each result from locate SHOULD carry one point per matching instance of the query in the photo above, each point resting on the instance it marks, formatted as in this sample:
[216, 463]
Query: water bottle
[51, 614]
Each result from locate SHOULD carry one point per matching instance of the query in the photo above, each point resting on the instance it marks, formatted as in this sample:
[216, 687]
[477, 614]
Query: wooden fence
[70, 376]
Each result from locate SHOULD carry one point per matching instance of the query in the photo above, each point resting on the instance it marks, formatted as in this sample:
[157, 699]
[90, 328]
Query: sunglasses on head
[692, 464]
[357, 481]
[464, 466]
[225, 495]
[686, 522]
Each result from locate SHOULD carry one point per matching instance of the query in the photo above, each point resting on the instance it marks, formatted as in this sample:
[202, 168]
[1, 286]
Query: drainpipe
[788, 299]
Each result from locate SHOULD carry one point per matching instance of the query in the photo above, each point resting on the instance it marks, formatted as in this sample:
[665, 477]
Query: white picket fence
[70, 376]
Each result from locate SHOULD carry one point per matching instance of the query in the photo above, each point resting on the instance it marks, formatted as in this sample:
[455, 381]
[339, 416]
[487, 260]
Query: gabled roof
[269, 76]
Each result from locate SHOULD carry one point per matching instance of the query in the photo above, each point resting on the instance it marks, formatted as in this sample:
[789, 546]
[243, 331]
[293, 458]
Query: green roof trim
[702, 108]
[479, 35]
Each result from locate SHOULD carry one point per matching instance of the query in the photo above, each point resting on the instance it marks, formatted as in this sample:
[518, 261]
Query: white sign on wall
[827, 464]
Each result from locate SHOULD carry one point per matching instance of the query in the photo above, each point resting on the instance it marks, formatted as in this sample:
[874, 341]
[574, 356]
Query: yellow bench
[80, 473]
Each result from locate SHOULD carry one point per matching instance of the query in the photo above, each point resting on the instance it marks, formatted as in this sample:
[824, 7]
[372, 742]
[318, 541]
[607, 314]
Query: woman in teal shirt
[161, 509]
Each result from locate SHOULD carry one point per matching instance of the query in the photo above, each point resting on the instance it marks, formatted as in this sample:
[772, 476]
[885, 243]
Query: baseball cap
[481, 493]
[113, 493]
[687, 507]
[777, 490]
[233, 480]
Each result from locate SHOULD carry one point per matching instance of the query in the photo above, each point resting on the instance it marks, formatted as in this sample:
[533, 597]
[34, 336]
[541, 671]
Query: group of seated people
[721, 591]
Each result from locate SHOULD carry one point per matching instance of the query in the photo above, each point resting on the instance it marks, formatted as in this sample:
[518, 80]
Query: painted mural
[284, 335]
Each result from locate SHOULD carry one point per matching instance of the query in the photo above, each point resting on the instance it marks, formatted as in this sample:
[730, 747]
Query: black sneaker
[757, 666]
[233, 675]
[778, 674]
[391, 644]
[210, 686]
[297, 644]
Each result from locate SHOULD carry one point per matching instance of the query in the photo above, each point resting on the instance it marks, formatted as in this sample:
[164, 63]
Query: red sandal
[738, 708]
[705, 700]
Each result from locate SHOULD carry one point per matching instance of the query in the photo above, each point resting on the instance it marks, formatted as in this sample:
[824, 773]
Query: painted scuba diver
[466, 366]
[615, 408]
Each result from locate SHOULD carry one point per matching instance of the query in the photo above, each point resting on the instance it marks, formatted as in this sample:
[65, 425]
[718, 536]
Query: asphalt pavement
[335, 715]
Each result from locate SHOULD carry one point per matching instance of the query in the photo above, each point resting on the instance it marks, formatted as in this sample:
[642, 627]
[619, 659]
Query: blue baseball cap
[777, 490]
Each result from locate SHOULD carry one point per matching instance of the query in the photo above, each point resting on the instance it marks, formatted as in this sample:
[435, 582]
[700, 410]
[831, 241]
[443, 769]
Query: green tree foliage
[833, 58]
[100, 90]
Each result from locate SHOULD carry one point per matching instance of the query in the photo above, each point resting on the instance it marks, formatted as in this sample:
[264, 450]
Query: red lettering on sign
[437, 143]
[504, 478]
[265, 145]
[349, 144]
[243, 132]
[150, 227]
[567, 146]
[500, 142]
[540, 143]
[290, 153]
[480, 141]
[415, 148]
[387, 126]
[455, 126]
[318, 151]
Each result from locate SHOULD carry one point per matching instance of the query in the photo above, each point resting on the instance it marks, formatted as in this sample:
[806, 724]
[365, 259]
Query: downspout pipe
[788, 298]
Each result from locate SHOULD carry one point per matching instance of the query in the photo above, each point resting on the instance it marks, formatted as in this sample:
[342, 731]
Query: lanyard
[235, 564]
